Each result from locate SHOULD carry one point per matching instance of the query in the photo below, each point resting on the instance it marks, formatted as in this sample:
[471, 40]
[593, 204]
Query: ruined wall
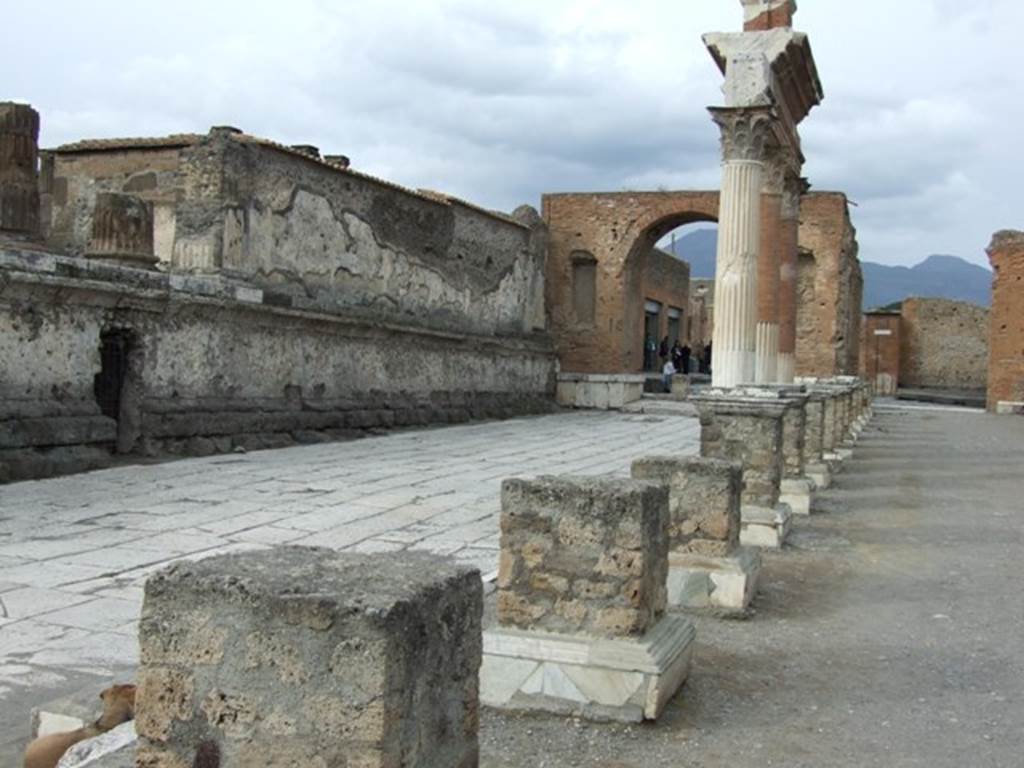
[880, 351]
[313, 235]
[214, 366]
[1006, 336]
[943, 344]
[614, 232]
[829, 288]
[667, 281]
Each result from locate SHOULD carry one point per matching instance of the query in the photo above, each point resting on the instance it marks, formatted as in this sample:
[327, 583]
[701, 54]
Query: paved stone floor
[75, 551]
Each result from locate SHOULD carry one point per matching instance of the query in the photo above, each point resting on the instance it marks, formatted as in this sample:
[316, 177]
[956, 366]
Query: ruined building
[203, 293]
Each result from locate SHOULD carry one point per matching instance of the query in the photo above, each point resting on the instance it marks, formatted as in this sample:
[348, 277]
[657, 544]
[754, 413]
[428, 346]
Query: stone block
[766, 527]
[582, 555]
[307, 656]
[708, 571]
[748, 430]
[581, 597]
[703, 501]
[798, 494]
[723, 586]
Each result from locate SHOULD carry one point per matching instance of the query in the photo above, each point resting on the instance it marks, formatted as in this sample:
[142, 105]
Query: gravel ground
[888, 632]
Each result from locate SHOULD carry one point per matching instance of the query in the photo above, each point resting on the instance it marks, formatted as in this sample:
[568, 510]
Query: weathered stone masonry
[295, 300]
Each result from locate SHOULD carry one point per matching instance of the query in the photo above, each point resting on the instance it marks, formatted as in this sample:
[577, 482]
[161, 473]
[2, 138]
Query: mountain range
[948, 277]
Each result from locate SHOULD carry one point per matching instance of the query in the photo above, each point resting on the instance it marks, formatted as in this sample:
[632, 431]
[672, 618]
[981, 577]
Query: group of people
[679, 358]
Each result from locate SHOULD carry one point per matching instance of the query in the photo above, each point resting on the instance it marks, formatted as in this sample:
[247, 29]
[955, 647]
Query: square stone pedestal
[765, 527]
[721, 586]
[819, 474]
[301, 656]
[798, 493]
[618, 678]
[581, 601]
[599, 391]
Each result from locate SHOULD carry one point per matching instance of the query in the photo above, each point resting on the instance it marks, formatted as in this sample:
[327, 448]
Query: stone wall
[1006, 340]
[311, 234]
[613, 232]
[829, 288]
[214, 364]
[943, 344]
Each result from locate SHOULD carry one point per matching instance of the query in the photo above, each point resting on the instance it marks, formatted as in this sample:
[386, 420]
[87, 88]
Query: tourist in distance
[667, 372]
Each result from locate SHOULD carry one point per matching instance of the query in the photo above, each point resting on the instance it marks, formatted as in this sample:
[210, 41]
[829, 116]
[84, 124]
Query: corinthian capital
[793, 187]
[745, 131]
[780, 162]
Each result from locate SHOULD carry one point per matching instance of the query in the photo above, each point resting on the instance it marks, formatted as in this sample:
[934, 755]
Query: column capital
[793, 187]
[745, 131]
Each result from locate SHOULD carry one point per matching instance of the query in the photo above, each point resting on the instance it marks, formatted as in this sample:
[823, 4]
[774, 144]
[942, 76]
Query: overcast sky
[498, 102]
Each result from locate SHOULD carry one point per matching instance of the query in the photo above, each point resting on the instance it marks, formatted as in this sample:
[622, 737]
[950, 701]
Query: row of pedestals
[308, 656]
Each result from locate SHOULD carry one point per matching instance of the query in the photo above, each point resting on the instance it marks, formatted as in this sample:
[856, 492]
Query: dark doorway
[108, 385]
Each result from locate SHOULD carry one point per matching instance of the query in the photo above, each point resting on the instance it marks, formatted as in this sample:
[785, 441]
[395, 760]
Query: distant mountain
[948, 277]
[698, 248]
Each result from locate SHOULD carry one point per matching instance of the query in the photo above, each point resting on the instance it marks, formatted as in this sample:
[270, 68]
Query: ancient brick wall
[614, 232]
[943, 344]
[880, 351]
[667, 281]
[1006, 339]
[829, 288]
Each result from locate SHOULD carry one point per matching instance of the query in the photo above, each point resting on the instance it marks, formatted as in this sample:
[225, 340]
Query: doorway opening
[108, 385]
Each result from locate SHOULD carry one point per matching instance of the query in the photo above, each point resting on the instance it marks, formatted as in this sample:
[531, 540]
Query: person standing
[667, 372]
[684, 354]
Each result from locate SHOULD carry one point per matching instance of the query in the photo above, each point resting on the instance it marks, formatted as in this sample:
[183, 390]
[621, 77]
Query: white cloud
[500, 102]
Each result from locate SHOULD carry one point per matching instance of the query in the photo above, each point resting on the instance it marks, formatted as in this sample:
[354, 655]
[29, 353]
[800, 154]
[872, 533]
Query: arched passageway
[601, 272]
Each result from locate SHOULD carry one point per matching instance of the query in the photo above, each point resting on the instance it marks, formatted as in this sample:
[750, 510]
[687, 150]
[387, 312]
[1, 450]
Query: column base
[623, 679]
[720, 586]
[765, 527]
[819, 474]
[786, 367]
[798, 493]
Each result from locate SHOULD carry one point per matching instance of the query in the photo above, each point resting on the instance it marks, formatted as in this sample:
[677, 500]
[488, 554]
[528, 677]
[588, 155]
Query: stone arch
[618, 229]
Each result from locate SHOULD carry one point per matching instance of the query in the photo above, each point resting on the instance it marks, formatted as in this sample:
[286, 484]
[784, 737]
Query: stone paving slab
[75, 551]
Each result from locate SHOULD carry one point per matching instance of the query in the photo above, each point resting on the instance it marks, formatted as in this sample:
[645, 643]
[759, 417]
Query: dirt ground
[888, 633]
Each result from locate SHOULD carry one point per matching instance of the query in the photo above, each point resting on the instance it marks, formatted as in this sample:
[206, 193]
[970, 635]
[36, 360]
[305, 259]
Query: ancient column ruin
[748, 428]
[19, 158]
[122, 230]
[582, 627]
[789, 236]
[307, 656]
[771, 84]
[708, 570]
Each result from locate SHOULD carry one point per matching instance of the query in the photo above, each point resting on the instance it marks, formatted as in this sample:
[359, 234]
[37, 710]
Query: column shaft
[767, 336]
[739, 232]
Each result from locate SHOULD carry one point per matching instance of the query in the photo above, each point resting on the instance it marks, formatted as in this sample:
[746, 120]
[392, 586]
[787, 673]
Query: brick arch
[618, 229]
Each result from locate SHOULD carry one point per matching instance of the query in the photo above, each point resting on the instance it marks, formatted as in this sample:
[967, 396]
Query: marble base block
[765, 527]
[819, 474]
[723, 586]
[624, 679]
[798, 493]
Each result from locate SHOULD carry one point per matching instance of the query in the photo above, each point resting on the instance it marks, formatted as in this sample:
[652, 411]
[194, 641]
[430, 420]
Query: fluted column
[789, 233]
[744, 134]
[19, 188]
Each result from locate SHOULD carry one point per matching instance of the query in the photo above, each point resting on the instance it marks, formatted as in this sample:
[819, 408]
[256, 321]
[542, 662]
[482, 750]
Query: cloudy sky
[498, 102]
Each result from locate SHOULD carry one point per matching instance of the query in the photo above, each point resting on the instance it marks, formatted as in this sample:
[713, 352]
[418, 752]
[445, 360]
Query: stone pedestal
[707, 569]
[122, 231]
[680, 387]
[598, 391]
[302, 656]
[815, 467]
[749, 430]
[744, 134]
[19, 157]
[581, 600]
